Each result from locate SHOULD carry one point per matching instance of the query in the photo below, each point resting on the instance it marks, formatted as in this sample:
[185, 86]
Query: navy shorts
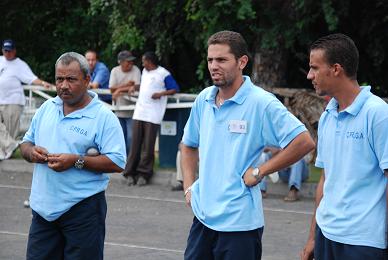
[77, 234]
[326, 249]
[205, 244]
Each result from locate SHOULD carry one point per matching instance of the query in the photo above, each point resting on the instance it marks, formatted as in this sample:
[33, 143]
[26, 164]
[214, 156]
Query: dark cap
[125, 55]
[8, 45]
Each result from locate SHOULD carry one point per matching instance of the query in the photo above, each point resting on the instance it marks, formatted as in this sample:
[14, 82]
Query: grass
[315, 174]
[17, 154]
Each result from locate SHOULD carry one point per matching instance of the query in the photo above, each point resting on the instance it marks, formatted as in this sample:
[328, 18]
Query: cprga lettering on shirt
[79, 130]
[354, 135]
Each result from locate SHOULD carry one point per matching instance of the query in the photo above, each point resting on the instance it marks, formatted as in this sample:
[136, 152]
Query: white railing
[180, 100]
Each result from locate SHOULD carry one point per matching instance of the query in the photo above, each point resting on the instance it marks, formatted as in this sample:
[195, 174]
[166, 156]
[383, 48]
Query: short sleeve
[280, 127]
[191, 131]
[170, 83]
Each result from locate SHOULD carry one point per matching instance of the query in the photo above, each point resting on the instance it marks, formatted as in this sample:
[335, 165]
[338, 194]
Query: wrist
[187, 190]
[257, 174]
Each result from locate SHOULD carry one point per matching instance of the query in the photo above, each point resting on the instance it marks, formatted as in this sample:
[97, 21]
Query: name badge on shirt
[238, 126]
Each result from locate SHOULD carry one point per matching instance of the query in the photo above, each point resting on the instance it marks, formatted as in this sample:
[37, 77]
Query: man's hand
[38, 154]
[116, 94]
[308, 251]
[61, 162]
[157, 95]
[131, 89]
[249, 179]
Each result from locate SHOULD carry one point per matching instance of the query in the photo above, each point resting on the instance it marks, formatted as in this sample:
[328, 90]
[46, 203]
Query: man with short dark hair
[350, 217]
[99, 74]
[13, 73]
[124, 80]
[74, 141]
[156, 84]
[229, 126]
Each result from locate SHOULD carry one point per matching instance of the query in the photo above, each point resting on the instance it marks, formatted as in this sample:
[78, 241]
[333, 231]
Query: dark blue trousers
[77, 234]
[206, 244]
[326, 249]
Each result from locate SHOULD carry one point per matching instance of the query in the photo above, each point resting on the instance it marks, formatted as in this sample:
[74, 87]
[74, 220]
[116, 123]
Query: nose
[212, 65]
[310, 75]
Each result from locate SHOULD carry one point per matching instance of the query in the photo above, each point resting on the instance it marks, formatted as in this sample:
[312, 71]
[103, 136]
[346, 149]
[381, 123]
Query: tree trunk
[269, 67]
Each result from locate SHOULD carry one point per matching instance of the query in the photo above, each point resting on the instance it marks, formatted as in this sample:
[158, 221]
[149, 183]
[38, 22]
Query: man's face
[126, 65]
[223, 65]
[9, 55]
[146, 63]
[320, 73]
[71, 84]
[91, 57]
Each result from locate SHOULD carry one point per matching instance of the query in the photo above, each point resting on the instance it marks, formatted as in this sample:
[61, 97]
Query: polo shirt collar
[87, 111]
[238, 98]
[357, 104]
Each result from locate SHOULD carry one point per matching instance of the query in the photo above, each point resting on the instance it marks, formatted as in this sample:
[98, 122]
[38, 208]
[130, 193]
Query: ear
[242, 62]
[337, 69]
[87, 80]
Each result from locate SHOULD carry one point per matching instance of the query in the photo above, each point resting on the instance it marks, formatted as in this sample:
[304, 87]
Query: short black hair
[339, 48]
[151, 56]
[237, 43]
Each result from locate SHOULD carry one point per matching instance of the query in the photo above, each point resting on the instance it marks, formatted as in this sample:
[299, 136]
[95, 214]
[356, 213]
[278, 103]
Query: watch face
[79, 164]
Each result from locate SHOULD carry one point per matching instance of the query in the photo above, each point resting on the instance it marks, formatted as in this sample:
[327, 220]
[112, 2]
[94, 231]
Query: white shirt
[117, 76]
[148, 109]
[12, 74]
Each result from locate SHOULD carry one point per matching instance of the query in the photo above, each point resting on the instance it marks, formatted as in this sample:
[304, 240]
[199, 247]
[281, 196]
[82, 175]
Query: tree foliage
[278, 32]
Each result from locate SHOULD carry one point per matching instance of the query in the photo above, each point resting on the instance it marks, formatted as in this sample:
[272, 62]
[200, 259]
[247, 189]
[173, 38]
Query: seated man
[294, 175]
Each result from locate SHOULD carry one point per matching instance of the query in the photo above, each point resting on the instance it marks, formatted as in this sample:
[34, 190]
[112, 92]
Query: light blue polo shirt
[353, 150]
[230, 140]
[53, 193]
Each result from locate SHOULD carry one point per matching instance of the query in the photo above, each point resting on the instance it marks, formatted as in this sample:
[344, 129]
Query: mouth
[216, 76]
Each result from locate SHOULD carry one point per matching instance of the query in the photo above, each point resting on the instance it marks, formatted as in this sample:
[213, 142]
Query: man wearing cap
[124, 80]
[99, 74]
[13, 73]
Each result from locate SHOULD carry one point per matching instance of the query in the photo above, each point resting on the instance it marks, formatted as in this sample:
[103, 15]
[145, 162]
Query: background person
[350, 220]
[67, 193]
[156, 84]
[124, 80]
[99, 74]
[13, 73]
[294, 175]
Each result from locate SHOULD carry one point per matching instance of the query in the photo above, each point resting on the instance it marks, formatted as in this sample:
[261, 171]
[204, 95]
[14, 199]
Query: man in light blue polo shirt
[350, 219]
[74, 141]
[229, 126]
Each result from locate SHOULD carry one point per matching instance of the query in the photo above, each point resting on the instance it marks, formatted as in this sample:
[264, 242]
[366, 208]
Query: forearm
[25, 149]
[189, 164]
[168, 92]
[318, 198]
[100, 163]
[293, 152]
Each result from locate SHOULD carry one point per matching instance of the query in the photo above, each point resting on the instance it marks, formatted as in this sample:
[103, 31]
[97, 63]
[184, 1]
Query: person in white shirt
[124, 80]
[13, 73]
[156, 84]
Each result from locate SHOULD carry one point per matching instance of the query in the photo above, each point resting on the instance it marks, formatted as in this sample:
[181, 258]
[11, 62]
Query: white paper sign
[168, 128]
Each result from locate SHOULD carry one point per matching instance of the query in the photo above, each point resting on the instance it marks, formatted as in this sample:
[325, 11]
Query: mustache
[63, 92]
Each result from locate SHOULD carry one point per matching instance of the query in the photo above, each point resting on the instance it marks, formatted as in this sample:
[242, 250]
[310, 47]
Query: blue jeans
[126, 125]
[294, 175]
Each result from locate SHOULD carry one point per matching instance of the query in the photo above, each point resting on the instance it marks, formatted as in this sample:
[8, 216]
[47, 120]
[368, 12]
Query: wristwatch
[256, 174]
[79, 164]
